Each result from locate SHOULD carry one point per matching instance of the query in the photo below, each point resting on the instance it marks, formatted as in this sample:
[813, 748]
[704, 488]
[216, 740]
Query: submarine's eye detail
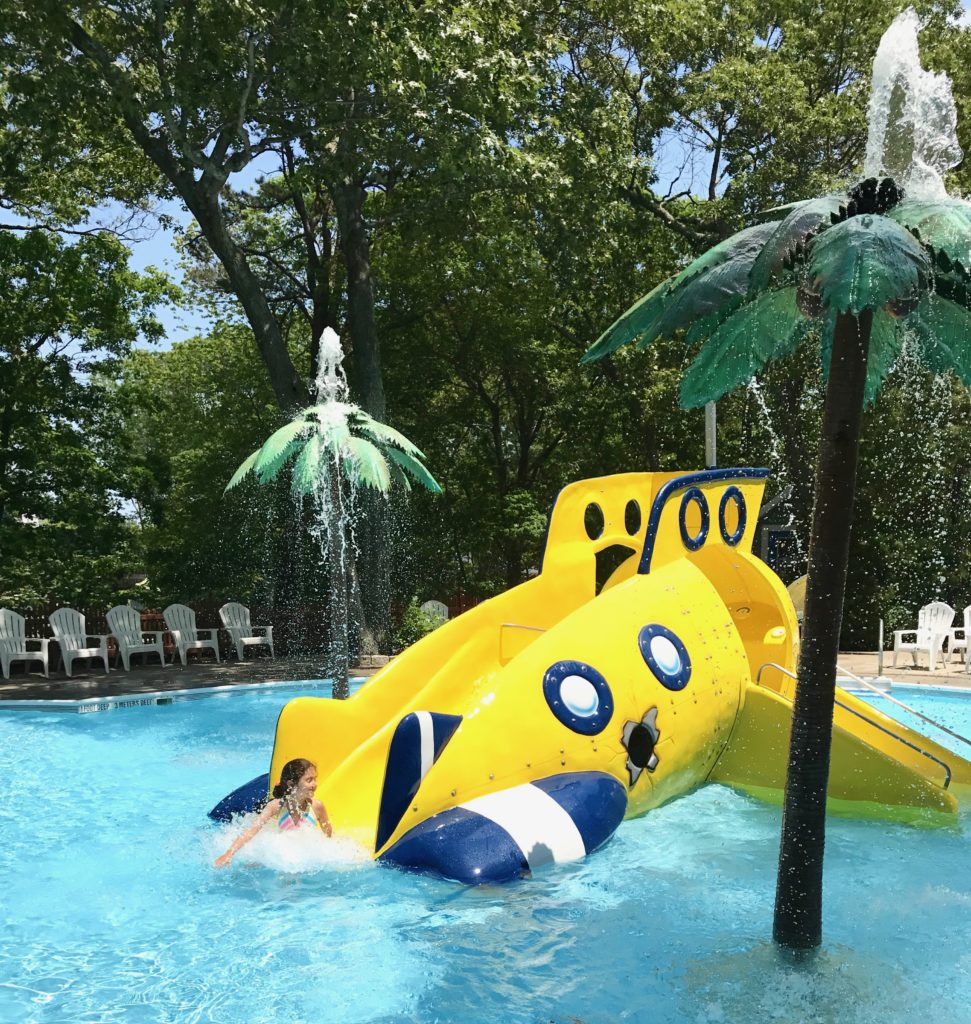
[737, 515]
[693, 539]
[640, 739]
[666, 656]
[632, 517]
[593, 520]
[579, 696]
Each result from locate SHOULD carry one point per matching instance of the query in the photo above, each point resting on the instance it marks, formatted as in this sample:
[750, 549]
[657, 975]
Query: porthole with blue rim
[694, 519]
[579, 696]
[665, 655]
[732, 516]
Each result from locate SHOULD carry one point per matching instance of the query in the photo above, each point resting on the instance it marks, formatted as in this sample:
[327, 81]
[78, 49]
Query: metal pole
[711, 457]
[880, 651]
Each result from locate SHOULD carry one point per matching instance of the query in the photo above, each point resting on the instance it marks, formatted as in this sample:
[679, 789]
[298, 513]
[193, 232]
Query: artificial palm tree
[328, 443]
[861, 274]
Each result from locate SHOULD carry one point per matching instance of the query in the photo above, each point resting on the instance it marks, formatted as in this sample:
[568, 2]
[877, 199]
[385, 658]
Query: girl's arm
[320, 812]
[271, 809]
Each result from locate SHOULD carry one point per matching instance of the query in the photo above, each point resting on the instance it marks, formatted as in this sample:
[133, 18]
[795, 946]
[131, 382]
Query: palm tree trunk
[338, 666]
[799, 896]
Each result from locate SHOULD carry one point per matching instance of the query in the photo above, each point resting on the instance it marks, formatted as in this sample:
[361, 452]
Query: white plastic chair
[126, 627]
[181, 621]
[933, 627]
[436, 609]
[235, 620]
[13, 643]
[958, 637]
[71, 636]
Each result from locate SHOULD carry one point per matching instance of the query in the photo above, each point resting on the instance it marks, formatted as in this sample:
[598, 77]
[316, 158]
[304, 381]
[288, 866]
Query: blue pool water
[112, 912]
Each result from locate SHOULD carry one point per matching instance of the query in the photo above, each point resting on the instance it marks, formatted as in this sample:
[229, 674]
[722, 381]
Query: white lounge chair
[126, 627]
[235, 620]
[181, 621]
[13, 643]
[958, 637]
[71, 636]
[933, 626]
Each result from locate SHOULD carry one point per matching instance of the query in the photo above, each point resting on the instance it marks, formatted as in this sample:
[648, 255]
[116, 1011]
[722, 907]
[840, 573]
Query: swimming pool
[113, 913]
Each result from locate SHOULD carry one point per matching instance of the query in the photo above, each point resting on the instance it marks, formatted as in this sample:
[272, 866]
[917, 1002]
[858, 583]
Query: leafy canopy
[758, 294]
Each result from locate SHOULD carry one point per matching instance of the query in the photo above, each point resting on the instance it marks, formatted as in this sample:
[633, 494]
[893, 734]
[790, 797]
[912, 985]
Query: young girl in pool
[293, 806]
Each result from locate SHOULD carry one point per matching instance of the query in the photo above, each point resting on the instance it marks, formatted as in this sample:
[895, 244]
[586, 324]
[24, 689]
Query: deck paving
[153, 678]
[201, 674]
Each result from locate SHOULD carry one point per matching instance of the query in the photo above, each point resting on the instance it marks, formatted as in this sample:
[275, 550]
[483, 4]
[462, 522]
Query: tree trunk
[798, 904]
[368, 384]
[373, 529]
[291, 393]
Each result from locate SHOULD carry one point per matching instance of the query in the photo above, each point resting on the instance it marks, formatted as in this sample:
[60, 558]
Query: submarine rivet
[453, 792]
[415, 809]
[562, 762]
[491, 775]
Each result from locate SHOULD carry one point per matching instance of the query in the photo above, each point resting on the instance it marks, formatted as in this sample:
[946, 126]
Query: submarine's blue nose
[504, 835]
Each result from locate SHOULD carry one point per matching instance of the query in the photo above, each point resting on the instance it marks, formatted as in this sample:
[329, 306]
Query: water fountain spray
[335, 449]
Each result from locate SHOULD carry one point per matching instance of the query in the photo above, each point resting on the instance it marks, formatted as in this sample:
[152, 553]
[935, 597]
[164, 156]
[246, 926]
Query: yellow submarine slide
[652, 653]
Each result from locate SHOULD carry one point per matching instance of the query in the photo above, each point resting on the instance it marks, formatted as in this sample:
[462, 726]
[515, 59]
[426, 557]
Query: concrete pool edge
[89, 705]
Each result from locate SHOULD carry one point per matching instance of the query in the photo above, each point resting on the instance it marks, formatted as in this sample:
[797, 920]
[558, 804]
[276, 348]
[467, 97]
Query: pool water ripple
[114, 913]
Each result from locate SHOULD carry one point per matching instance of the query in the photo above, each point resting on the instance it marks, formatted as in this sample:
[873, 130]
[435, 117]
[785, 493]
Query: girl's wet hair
[293, 772]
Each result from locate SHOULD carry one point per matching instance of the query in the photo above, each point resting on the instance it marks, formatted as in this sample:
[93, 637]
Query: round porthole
[694, 519]
[593, 520]
[579, 696]
[632, 517]
[732, 516]
[665, 655]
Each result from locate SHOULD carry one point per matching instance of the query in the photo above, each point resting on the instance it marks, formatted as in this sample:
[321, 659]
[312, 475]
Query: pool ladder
[866, 684]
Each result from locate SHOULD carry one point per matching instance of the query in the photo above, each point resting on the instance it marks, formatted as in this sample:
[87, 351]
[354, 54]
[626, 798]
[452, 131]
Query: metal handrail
[900, 704]
[520, 625]
[869, 721]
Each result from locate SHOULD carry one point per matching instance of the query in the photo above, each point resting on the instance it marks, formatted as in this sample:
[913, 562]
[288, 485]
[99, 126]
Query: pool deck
[142, 679]
[153, 678]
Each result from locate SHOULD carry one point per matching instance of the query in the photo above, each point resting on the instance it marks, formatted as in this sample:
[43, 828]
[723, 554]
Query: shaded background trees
[469, 199]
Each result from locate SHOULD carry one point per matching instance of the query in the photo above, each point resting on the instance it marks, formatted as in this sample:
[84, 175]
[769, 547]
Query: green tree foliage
[69, 316]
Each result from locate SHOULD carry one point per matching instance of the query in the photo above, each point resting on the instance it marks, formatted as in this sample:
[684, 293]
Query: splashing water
[334, 505]
[912, 119]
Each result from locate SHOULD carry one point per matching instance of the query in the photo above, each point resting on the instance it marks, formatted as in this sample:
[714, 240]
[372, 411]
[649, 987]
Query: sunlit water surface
[112, 911]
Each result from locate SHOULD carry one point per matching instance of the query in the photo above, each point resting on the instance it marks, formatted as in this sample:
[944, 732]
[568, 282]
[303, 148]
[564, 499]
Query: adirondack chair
[71, 636]
[235, 620]
[13, 643]
[126, 627]
[933, 625]
[958, 637]
[181, 621]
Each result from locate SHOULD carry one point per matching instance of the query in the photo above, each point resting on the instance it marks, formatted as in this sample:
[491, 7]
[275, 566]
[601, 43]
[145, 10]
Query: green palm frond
[769, 327]
[943, 330]
[384, 434]
[243, 470]
[943, 225]
[278, 448]
[415, 469]
[709, 284]
[365, 464]
[791, 237]
[866, 262]
[309, 467]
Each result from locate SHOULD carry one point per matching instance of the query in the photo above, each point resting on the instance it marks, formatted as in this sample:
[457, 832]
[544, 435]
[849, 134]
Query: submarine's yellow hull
[623, 675]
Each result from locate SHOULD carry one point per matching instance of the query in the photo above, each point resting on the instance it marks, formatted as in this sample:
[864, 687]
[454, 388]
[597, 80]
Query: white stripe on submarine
[536, 822]
[426, 730]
